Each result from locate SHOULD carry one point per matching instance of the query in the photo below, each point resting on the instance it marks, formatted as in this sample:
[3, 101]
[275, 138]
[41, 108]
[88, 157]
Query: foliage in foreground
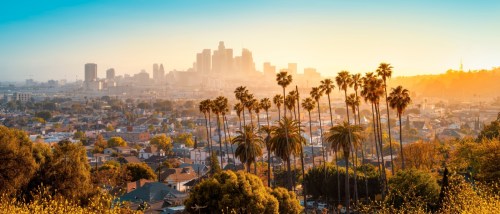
[239, 192]
[460, 197]
[43, 203]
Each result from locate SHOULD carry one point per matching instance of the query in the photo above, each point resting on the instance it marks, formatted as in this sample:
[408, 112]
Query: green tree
[214, 164]
[228, 192]
[490, 131]
[346, 137]
[116, 141]
[100, 144]
[184, 138]
[138, 171]
[399, 99]
[17, 164]
[286, 141]
[162, 142]
[411, 185]
[46, 115]
[110, 128]
[249, 146]
[287, 200]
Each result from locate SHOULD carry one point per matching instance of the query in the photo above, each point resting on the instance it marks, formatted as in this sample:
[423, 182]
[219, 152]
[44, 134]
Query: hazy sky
[54, 39]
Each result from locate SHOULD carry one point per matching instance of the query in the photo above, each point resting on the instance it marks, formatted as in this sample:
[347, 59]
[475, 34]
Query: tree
[204, 108]
[100, 144]
[162, 142]
[17, 164]
[278, 101]
[345, 137]
[241, 93]
[399, 99]
[490, 131]
[308, 105]
[238, 107]
[411, 185]
[287, 201]
[384, 71]
[110, 128]
[184, 138]
[265, 104]
[249, 146]
[285, 142]
[46, 115]
[138, 171]
[228, 192]
[219, 106]
[214, 164]
[116, 141]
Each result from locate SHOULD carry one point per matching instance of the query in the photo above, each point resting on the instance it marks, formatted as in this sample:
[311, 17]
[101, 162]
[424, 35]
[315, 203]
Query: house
[131, 186]
[129, 159]
[156, 194]
[150, 151]
[176, 178]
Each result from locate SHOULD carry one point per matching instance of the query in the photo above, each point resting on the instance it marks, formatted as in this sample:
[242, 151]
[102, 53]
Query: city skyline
[53, 40]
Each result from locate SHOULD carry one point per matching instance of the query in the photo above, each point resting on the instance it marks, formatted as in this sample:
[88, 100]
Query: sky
[54, 39]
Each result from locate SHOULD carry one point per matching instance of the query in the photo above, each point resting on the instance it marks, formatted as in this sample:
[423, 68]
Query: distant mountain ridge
[454, 84]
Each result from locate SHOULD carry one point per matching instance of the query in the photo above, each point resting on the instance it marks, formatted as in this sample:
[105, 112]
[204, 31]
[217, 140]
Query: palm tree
[285, 142]
[241, 93]
[294, 99]
[290, 104]
[343, 80]
[356, 83]
[316, 94]
[278, 101]
[308, 104]
[250, 105]
[265, 104]
[353, 102]
[220, 105]
[205, 109]
[372, 91]
[384, 71]
[297, 97]
[248, 146]
[399, 99]
[256, 108]
[224, 109]
[238, 107]
[345, 137]
[283, 79]
[326, 87]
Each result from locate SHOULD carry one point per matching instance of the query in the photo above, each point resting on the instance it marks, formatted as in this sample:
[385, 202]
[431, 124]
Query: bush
[413, 186]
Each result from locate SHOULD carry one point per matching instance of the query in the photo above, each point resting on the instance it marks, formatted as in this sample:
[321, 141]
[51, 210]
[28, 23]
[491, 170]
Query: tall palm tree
[297, 97]
[372, 91]
[343, 80]
[384, 71]
[278, 101]
[250, 105]
[220, 104]
[204, 108]
[326, 87]
[356, 84]
[256, 108]
[238, 107]
[225, 109]
[248, 146]
[399, 99]
[316, 94]
[265, 104]
[294, 99]
[290, 104]
[241, 93]
[345, 136]
[284, 79]
[353, 102]
[286, 141]
[308, 104]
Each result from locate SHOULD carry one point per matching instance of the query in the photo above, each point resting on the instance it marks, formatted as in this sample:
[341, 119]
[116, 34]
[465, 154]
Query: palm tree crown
[282, 147]
[343, 80]
[338, 137]
[283, 78]
[308, 104]
[384, 71]
[399, 99]
[326, 86]
[249, 145]
[316, 93]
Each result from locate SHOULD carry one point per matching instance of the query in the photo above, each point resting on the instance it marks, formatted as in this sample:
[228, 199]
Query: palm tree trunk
[375, 138]
[301, 152]
[401, 143]
[287, 143]
[268, 154]
[258, 131]
[354, 150]
[225, 136]
[321, 138]
[208, 135]
[347, 188]
[377, 109]
[279, 113]
[347, 195]
[220, 142]
[229, 135]
[310, 132]
[251, 119]
[389, 127]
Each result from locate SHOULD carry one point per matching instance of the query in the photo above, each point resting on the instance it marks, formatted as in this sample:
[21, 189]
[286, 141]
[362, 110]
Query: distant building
[247, 64]
[222, 59]
[22, 97]
[292, 68]
[269, 70]
[110, 74]
[204, 61]
[90, 72]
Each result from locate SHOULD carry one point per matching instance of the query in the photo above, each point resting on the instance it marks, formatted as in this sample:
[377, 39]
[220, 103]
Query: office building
[110, 74]
[292, 69]
[90, 72]
[204, 61]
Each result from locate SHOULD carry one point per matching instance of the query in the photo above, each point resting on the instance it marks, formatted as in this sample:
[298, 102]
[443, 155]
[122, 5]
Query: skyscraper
[155, 71]
[204, 61]
[247, 64]
[110, 73]
[90, 72]
[292, 68]
[161, 73]
[269, 70]
[222, 59]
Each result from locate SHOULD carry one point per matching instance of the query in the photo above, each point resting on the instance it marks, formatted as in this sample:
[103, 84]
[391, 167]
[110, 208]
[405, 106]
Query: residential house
[177, 177]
